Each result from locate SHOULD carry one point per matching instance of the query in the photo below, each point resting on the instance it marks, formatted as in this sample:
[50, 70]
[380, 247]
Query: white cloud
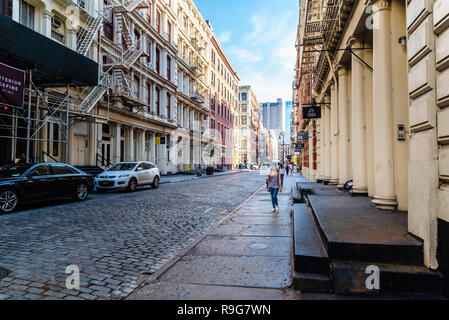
[225, 36]
[243, 55]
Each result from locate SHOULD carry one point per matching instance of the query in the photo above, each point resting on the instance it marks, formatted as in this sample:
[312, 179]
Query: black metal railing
[102, 162]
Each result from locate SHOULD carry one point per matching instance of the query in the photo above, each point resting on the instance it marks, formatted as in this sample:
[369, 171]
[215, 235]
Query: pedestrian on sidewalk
[274, 186]
[287, 169]
[282, 173]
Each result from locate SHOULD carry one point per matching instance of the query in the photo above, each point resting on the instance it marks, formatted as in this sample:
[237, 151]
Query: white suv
[127, 176]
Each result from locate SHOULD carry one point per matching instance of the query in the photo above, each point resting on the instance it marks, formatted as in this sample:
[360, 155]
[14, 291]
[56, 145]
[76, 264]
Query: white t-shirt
[282, 171]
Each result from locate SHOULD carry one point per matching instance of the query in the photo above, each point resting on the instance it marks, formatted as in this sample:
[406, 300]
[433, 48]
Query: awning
[53, 64]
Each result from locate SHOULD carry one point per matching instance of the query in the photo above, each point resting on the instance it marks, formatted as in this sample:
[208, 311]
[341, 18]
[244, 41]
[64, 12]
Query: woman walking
[282, 173]
[274, 186]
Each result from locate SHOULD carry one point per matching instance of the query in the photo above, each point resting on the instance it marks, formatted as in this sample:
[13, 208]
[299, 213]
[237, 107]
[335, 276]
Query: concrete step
[304, 188]
[295, 195]
[350, 277]
[310, 255]
[311, 282]
[353, 230]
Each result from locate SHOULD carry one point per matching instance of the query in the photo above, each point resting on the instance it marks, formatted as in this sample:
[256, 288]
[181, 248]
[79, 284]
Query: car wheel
[155, 183]
[81, 192]
[132, 185]
[9, 201]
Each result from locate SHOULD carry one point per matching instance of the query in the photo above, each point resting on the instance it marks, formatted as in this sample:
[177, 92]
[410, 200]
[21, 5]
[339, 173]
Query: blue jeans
[274, 197]
[282, 179]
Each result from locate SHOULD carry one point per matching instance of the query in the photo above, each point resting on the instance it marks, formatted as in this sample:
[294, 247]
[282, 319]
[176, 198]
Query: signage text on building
[12, 86]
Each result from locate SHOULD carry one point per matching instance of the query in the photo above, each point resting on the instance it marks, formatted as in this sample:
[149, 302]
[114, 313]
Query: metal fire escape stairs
[129, 56]
[132, 49]
[319, 18]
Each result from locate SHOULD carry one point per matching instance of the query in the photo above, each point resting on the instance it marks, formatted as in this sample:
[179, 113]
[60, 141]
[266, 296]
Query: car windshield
[13, 170]
[123, 167]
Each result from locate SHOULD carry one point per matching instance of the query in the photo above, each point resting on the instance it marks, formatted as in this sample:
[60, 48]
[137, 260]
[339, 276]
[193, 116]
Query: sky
[258, 37]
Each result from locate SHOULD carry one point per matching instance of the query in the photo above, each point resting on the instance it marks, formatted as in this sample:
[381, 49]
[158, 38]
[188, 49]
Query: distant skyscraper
[271, 114]
[288, 120]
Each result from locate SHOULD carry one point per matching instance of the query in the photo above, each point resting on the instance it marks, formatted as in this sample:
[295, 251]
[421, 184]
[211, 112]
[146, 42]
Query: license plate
[105, 183]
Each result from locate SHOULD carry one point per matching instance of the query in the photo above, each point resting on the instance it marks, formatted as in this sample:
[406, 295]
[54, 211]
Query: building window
[109, 26]
[212, 102]
[6, 8]
[158, 62]
[149, 13]
[168, 68]
[26, 14]
[148, 52]
[158, 21]
[149, 93]
[168, 106]
[157, 98]
[169, 31]
[244, 96]
[57, 36]
[109, 30]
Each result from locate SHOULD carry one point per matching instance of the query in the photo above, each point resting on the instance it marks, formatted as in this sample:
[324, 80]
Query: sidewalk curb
[156, 275]
[205, 177]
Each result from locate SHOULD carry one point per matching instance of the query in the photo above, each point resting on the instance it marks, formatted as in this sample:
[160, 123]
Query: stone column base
[359, 192]
[384, 203]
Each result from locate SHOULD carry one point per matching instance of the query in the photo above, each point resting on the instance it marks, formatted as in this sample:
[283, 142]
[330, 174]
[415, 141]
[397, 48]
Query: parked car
[28, 183]
[128, 176]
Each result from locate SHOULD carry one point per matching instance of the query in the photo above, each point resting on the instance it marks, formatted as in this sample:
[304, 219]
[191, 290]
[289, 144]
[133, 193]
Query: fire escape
[318, 21]
[116, 77]
[197, 70]
[132, 49]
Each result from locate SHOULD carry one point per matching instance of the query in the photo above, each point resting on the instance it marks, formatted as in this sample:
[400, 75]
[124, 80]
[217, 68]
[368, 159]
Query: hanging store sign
[299, 147]
[12, 86]
[302, 136]
[311, 112]
[160, 140]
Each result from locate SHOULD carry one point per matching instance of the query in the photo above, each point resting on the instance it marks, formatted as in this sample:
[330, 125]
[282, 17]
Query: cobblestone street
[113, 237]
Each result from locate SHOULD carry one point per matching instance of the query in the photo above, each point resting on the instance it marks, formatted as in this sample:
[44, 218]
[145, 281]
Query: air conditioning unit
[55, 22]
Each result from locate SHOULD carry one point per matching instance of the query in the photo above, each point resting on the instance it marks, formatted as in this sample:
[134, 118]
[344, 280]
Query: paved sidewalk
[247, 257]
[187, 177]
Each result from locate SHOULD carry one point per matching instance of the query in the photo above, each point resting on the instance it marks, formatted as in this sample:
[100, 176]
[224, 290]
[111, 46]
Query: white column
[71, 40]
[153, 148]
[343, 128]
[16, 11]
[92, 144]
[162, 154]
[129, 156]
[46, 23]
[116, 144]
[141, 145]
[385, 197]
[71, 146]
[327, 140]
[358, 132]
[334, 136]
[368, 84]
[310, 177]
[320, 143]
